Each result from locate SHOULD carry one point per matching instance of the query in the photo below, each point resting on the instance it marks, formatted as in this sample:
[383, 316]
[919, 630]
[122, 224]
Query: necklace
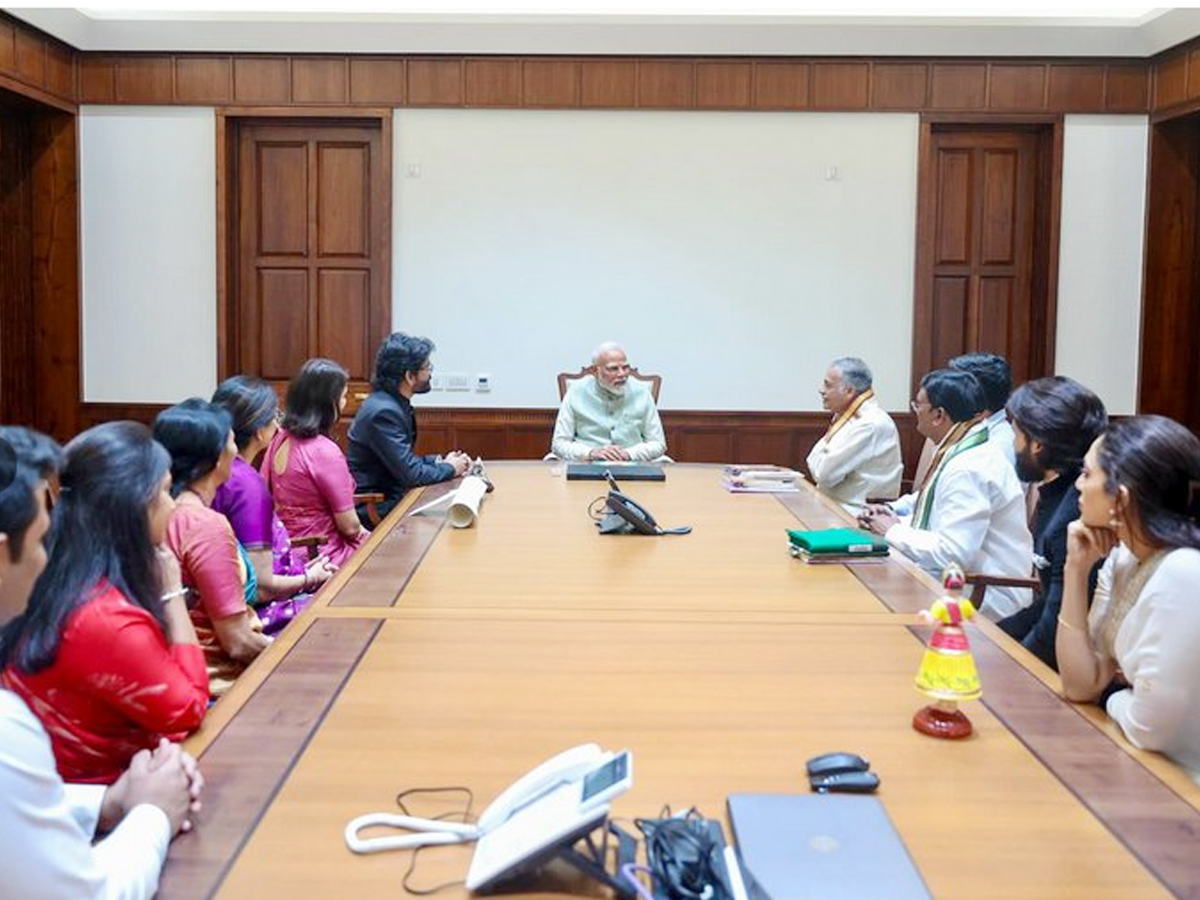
[1125, 593]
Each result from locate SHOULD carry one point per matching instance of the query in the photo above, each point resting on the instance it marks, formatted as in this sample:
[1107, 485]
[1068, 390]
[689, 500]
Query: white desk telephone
[601, 775]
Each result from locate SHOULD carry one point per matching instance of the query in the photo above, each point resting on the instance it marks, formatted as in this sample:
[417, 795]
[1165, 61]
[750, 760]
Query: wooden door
[983, 249]
[1169, 382]
[312, 250]
[39, 267]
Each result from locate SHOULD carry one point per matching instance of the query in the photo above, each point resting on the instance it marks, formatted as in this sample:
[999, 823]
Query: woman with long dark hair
[215, 567]
[283, 572]
[1137, 648]
[307, 472]
[105, 654]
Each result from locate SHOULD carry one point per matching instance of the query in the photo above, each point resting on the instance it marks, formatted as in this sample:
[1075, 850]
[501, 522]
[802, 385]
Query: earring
[1114, 521]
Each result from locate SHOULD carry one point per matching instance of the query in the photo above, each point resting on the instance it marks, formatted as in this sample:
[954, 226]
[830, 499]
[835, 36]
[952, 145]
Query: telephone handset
[570, 765]
[574, 765]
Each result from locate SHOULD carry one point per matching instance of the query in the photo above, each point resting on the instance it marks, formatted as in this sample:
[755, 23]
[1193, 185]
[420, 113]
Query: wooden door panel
[282, 207]
[984, 200]
[998, 228]
[343, 312]
[283, 327]
[995, 316]
[344, 200]
[954, 208]
[312, 200]
[951, 298]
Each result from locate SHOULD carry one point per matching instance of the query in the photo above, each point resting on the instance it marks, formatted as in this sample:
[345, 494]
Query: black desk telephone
[626, 516]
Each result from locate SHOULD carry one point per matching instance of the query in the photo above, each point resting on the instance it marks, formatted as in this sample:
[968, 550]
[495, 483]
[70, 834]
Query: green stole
[924, 502]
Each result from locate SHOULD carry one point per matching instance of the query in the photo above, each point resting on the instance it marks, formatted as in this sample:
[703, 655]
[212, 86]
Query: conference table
[444, 657]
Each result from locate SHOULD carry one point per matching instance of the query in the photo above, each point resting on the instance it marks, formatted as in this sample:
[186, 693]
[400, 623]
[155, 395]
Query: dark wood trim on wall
[552, 82]
[692, 436]
[36, 65]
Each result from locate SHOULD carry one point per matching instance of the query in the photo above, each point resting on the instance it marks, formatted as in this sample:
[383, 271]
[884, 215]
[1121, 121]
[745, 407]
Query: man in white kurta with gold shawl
[859, 456]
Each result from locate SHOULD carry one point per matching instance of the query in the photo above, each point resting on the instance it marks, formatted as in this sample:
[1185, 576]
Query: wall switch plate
[483, 383]
[437, 382]
[458, 381]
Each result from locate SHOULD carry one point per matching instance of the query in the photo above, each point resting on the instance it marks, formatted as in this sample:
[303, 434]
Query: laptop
[821, 847]
[620, 471]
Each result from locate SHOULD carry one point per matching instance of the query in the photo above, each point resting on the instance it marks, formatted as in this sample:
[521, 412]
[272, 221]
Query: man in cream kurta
[859, 456]
[608, 416]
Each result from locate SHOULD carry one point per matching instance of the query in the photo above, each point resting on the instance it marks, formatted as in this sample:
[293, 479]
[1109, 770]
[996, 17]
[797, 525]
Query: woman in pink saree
[307, 472]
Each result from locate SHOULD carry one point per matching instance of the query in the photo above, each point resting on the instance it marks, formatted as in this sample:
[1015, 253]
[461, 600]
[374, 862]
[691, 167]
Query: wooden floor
[464, 657]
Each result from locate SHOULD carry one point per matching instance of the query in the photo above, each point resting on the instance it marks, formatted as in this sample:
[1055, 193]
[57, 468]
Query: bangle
[171, 595]
[1067, 625]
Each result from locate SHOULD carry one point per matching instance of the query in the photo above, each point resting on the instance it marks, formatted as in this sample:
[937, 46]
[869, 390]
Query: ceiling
[667, 27]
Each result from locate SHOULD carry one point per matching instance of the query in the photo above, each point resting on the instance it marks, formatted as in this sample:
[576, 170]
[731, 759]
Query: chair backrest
[565, 379]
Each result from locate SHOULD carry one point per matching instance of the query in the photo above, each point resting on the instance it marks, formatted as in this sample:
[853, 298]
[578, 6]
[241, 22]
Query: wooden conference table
[465, 657]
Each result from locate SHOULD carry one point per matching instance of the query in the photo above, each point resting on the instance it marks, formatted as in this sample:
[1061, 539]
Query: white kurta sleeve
[1157, 651]
[956, 535]
[45, 854]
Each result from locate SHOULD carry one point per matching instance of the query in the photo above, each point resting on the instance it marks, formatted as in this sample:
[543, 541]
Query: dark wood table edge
[421, 539]
[198, 863]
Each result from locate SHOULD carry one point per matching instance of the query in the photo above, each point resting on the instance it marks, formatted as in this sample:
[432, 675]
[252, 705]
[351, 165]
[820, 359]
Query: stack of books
[761, 479]
[836, 545]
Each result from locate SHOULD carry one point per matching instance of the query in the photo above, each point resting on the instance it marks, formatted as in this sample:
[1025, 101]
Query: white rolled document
[462, 505]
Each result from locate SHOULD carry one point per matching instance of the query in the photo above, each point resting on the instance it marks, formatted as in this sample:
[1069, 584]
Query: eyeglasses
[428, 367]
[614, 368]
[917, 407]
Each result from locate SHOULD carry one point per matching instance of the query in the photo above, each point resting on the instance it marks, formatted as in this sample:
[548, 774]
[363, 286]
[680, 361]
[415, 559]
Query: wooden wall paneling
[204, 79]
[1016, 87]
[30, 58]
[1126, 88]
[8, 47]
[845, 85]
[320, 80]
[264, 80]
[692, 436]
[781, 85]
[1075, 87]
[437, 437]
[530, 441]
[899, 85]
[1193, 73]
[1170, 80]
[699, 443]
[608, 84]
[146, 79]
[493, 82]
[666, 84]
[1169, 379]
[97, 79]
[774, 446]
[550, 83]
[377, 81]
[17, 317]
[435, 82]
[724, 85]
[958, 86]
[55, 272]
[60, 69]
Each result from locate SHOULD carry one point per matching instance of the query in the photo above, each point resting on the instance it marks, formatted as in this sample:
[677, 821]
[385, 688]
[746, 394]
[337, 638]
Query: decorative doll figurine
[947, 672]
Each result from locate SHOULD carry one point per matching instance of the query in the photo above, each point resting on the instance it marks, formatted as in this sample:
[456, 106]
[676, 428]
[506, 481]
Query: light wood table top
[720, 661]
